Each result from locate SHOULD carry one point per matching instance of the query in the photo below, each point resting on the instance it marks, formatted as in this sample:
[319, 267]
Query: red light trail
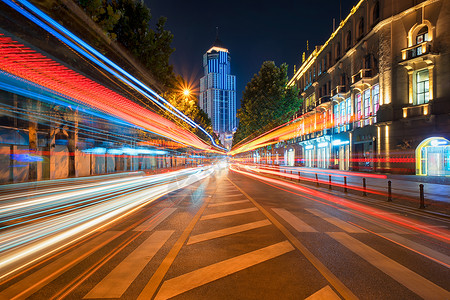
[23, 62]
[438, 233]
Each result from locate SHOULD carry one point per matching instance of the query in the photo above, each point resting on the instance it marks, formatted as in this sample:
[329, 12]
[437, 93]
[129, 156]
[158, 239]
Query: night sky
[253, 32]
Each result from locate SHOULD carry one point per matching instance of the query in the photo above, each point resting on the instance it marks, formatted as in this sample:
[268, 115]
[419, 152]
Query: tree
[267, 101]
[128, 23]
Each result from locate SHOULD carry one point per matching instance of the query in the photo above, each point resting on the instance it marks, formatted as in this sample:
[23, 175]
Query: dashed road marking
[191, 280]
[336, 222]
[413, 281]
[294, 221]
[227, 231]
[229, 213]
[119, 279]
[228, 203]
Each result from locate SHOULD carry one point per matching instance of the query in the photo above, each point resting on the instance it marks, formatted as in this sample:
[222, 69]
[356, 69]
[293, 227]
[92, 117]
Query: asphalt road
[237, 236]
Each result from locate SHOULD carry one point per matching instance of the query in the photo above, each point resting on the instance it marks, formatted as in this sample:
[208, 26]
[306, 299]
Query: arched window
[338, 51]
[422, 35]
[361, 27]
[348, 40]
[376, 13]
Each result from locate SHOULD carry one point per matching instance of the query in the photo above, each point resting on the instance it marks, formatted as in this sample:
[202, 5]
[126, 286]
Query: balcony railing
[340, 89]
[416, 50]
[362, 74]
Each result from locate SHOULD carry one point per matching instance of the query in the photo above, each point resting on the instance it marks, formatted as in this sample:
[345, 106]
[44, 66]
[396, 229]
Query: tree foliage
[128, 22]
[267, 101]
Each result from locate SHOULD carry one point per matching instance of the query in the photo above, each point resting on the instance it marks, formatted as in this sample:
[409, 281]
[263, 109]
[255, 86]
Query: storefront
[317, 152]
[433, 157]
[341, 152]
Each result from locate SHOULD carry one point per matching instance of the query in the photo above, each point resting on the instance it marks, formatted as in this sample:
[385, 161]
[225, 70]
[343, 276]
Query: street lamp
[186, 92]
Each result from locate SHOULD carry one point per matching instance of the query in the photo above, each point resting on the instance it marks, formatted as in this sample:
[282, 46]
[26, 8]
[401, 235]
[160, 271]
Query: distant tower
[218, 92]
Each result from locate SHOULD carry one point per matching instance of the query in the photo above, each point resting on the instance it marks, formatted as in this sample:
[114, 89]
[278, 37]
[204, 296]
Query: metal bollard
[345, 184]
[329, 182]
[422, 197]
[292, 177]
[298, 176]
[364, 187]
[317, 180]
[389, 191]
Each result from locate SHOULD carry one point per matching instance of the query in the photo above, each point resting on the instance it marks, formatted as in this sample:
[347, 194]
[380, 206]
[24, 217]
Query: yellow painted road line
[336, 222]
[229, 213]
[332, 279]
[326, 293]
[151, 223]
[30, 284]
[191, 280]
[226, 231]
[413, 281]
[119, 279]
[294, 221]
[151, 287]
[228, 203]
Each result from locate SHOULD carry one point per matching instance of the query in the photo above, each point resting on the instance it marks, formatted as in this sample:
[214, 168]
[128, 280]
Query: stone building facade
[377, 92]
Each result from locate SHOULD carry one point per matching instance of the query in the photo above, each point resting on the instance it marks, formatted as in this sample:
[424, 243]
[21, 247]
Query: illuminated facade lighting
[218, 92]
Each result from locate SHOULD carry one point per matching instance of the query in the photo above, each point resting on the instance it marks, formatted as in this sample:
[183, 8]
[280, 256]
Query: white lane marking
[226, 231]
[325, 293]
[151, 223]
[336, 222]
[30, 284]
[418, 248]
[228, 195]
[119, 279]
[228, 203]
[228, 213]
[294, 221]
[191, 280]
[413, 281]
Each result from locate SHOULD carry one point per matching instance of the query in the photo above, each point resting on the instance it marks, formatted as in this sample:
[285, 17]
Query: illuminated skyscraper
[218, 92]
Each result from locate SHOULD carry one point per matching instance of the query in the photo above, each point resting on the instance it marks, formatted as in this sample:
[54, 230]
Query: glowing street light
[186, 92]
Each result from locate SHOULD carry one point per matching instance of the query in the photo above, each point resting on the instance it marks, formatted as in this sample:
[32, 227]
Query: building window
[376, 97]
[367, 62]
[310, 102]
[366, 101]
[361, 27]
[338, 51]
[422, 87]
[422, 35]
[342, 113]
[348, 39]
[349, 109]
[376, 13]
[358, 106]
[336, 115]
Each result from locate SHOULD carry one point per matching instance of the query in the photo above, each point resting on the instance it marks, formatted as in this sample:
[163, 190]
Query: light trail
[274, 171]
[30, 241]
[97, 58]
[81, 90]
[328, 199]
